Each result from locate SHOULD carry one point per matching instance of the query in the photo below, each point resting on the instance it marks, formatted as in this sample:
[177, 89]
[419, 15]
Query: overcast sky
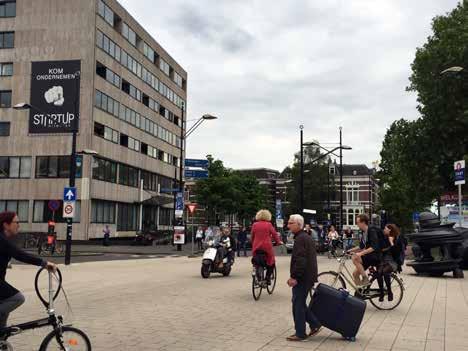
[267, 67]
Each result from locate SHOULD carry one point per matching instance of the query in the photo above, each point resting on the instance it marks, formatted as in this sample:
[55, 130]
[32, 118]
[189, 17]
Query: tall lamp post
[183, 138]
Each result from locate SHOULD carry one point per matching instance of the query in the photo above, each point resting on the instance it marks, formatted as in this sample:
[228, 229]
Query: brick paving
[164, 304]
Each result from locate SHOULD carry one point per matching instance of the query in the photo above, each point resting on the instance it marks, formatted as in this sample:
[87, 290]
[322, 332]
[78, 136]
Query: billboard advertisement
[55, 95]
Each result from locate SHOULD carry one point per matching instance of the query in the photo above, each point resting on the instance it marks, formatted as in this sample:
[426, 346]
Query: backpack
[401, 244]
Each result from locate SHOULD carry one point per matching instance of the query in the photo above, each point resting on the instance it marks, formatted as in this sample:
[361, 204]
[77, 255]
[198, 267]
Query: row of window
[41, 211]
[5, 98]
[110, 171]
[46, 166]
[120, 55]
[134, 92]
[7, 40]
[8, 9]
[112, 106]
[6, 69]
[134, 144]
[128, 33]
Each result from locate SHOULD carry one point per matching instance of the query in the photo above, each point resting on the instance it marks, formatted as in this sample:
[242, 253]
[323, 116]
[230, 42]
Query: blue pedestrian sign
[69, 194]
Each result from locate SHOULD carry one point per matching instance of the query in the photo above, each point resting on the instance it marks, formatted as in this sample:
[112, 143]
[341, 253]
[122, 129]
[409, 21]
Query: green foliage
[227, 192]
[417, 157]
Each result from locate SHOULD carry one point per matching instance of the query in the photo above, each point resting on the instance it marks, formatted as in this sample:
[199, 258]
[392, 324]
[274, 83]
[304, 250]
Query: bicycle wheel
[66, 338]
[396, 285]
[332, 279]
[256, 286]
[271, 287]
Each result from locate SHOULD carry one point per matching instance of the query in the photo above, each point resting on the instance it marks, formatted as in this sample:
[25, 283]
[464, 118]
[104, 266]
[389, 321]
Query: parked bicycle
[62, 337]
[335, 249]
[259, 280]
[52, 245]
[371, 292]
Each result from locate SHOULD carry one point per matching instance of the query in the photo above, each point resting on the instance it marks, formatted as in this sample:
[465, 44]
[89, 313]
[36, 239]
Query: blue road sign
[191, 162]
[194, 173]
[54, 205]
[415, 217]
[169, 190]
[69, 194]
[279, 209]
[179, 201]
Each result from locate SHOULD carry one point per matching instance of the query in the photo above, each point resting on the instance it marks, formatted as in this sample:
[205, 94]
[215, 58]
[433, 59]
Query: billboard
[55, 96]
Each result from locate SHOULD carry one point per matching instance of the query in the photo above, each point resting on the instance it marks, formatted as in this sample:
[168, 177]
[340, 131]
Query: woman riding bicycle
[333, 239]
[10, 298]
[262, 235]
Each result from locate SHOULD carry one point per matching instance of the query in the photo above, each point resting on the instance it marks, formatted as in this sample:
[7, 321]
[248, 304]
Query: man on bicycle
[11, 298]
[369, 252]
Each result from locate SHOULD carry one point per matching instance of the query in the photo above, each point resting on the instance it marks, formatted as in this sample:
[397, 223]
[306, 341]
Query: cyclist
[262, 235]
[333, 239]
[390, 260]
[11, 298]
[369, 252]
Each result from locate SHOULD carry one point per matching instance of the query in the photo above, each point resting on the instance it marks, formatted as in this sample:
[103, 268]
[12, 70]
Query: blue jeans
[347, 243]
[301, 312]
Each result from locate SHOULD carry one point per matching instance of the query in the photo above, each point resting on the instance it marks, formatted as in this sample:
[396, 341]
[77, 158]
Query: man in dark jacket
[369, 252]
[242, 241]
[303, 275]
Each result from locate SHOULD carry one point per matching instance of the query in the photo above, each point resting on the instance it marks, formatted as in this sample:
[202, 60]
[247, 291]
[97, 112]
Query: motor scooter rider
[225, 246]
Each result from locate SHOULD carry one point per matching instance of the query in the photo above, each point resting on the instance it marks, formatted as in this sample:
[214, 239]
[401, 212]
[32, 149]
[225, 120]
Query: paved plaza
[164, 304]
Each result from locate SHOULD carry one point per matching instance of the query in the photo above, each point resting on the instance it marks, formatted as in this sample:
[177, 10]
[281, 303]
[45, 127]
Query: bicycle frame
[348, 276]
[53, 320]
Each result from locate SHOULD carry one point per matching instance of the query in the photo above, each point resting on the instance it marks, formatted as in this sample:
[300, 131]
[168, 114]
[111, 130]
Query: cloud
[266, 67]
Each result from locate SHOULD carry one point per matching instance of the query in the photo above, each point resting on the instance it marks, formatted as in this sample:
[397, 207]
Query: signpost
[459, 168]
[196, 173]
[190, 162]
[69, 202]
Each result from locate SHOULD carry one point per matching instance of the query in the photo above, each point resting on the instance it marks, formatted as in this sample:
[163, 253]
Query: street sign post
[192, 208]
[191, 162]
[459, 168]
[69, 194]
[195, 173]
[68, 209]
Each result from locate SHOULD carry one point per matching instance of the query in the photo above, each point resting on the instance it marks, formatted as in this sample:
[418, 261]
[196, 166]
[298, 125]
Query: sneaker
[314, 331]
[294, 337]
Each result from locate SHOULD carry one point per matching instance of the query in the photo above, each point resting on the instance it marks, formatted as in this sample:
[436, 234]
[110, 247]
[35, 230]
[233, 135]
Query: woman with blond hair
[262, 234]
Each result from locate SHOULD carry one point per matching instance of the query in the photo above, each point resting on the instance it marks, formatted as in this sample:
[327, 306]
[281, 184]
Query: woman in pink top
[262, 235]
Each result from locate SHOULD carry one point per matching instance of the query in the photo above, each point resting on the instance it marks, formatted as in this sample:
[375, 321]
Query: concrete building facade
[131, 97]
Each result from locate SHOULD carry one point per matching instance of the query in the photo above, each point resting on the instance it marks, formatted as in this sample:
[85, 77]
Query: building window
[129, 34]
[127, 217]
[164, 66]
[4, 128]
[7, 40]
[165, 215]
[20, 207]
[6, 69]
[128, 175]
[352, 194]
[5, 98]
[43, 214]
[150, 181]
[15, 167]
[107, 103]
[8, 9]
[104, 170]
[105, 12]
[103, 211]
[56, 167]
[107, 74]
[148, 52]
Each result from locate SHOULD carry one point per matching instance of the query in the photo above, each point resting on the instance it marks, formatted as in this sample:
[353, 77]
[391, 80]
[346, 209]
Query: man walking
[303, 275]
[241, 242]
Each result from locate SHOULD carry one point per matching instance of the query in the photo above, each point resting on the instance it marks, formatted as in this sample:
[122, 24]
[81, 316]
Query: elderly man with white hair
[303, 275]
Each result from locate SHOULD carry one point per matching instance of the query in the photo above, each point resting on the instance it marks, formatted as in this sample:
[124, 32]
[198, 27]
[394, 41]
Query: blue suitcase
[338, 310]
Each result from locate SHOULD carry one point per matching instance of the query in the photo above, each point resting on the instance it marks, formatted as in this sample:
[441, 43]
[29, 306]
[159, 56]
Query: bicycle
[335, 251]
[52, 245]
[62, 337]
[259, 281]
[371, 292]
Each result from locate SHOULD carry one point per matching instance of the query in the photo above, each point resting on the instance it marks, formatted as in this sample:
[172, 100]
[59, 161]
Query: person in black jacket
[303, 276]
[369, 252]
[10, 298]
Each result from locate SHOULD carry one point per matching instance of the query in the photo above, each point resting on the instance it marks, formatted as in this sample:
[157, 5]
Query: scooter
[211, 261]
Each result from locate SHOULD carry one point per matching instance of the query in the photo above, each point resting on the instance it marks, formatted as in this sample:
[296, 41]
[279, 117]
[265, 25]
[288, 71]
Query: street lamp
[453, 69]
[183, 136]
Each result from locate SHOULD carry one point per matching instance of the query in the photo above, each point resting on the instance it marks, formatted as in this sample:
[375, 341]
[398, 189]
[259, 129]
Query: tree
[417, 157]
[226, 192]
